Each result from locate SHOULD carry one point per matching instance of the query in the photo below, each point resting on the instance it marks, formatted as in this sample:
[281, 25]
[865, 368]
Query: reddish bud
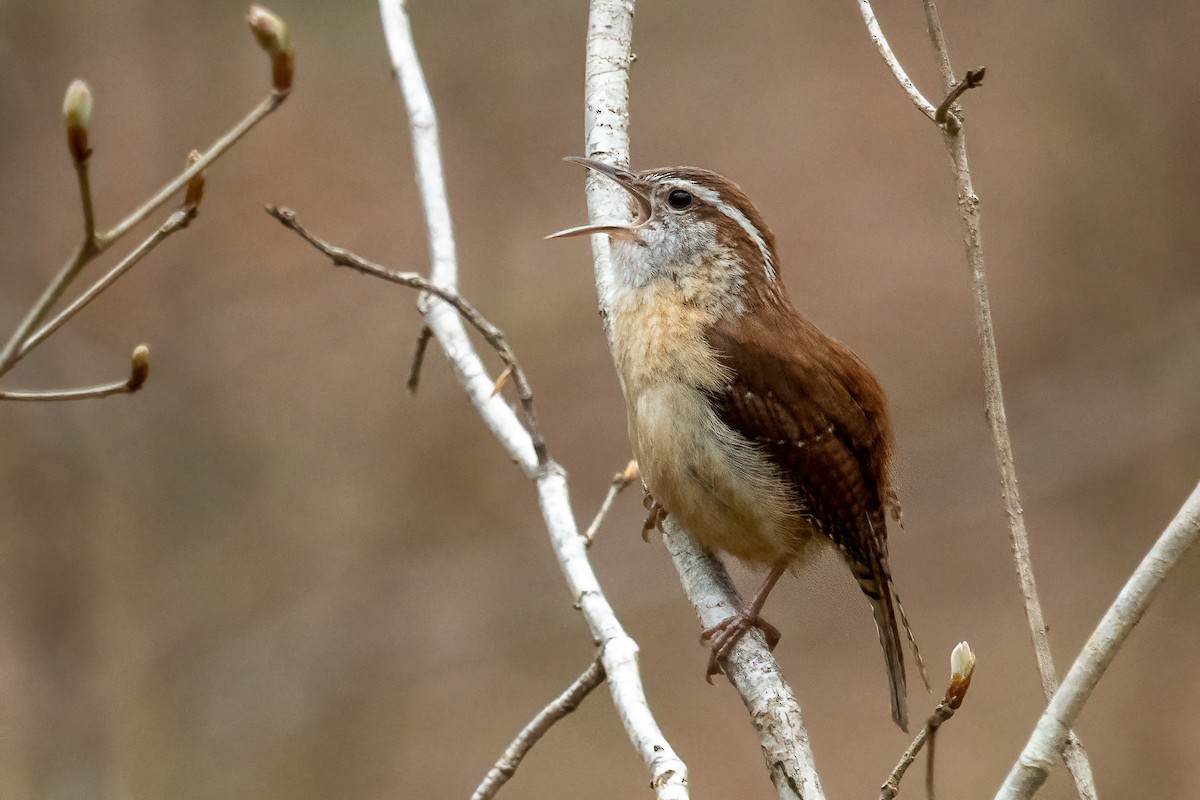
[195, 186]
[273, 36]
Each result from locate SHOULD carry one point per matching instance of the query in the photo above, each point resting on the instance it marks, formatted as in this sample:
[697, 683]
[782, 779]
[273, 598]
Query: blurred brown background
[274, 574]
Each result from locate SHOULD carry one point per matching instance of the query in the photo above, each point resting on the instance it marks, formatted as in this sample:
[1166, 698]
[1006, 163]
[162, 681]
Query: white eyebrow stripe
[714, 199]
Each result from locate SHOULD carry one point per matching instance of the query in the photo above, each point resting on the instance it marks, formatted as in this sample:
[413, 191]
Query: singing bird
[761, 435]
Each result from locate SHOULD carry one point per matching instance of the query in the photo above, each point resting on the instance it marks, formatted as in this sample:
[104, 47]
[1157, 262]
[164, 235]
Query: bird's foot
[655, 518]
[723, 636]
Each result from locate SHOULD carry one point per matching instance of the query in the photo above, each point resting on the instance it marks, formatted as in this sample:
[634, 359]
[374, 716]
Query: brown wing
[818, 412]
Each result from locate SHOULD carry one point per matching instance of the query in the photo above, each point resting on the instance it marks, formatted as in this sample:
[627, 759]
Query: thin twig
[139, 370]
[962, 668]
[85, 199]
[968, 203]
[176, 222]
[9, 355]
[94, 243]
[973, 79]
[418, 358]
[668, 773]
[619, 482]
[271, 102]
[1050, 735]
[563, 705]
[342, 257]
[885, 50]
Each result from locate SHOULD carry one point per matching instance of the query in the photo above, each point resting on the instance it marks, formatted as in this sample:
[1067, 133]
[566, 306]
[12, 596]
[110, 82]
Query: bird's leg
[655, 518]
[725, 635]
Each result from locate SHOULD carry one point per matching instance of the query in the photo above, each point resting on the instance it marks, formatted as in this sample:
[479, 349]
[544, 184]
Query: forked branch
[618, 652]
[77, 112]
[962, 667]
[968, 203]
[342, 257]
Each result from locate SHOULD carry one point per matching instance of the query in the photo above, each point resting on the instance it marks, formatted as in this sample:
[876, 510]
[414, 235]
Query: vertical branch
[950, 125]
[606, 125]
[968, 204]
[750, 668]
[1053, 729]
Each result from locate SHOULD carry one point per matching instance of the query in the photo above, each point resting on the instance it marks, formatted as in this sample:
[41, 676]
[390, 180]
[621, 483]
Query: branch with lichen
[78, 105]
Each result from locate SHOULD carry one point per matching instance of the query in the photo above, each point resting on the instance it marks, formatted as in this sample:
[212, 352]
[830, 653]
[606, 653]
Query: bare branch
[968, 204]
[962, 667]
[619, 482]
[215, 151]
[1053, 729]
[751, 668]
[418, 358]
[494, 336]
[972, 80]
[139, 370]
[77, 109]
[618, 650]
[885, 50]
[564, 704]
[176, 222]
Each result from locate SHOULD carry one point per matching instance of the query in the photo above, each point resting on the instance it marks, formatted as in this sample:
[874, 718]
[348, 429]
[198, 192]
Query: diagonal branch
[1053, 729]
[969, 213]
[751, 669]
[621, 480]
[968, 201]
[618, 650]
[564, 704]
[494, 336]
[176, 222]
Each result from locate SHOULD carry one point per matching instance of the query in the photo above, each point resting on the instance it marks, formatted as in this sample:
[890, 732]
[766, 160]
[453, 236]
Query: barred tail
[877, 586]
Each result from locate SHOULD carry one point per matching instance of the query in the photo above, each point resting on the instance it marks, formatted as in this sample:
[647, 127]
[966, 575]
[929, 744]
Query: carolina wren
[760, 434]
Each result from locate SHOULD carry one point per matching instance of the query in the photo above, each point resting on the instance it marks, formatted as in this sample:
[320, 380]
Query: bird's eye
[679, 199]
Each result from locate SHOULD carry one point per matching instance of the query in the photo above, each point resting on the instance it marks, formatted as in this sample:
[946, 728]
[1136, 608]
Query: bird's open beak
[627, 181]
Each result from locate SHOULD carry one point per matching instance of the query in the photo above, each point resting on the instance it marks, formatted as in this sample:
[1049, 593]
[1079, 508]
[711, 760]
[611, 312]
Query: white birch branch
[618, 651]
[750, 668]
[1050, 735]
[968, 204]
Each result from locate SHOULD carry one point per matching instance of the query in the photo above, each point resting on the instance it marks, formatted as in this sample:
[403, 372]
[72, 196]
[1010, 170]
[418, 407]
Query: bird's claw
[655, 517]
[723, 636]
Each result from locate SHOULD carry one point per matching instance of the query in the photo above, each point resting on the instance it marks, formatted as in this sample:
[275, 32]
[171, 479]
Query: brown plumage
[758, 432]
